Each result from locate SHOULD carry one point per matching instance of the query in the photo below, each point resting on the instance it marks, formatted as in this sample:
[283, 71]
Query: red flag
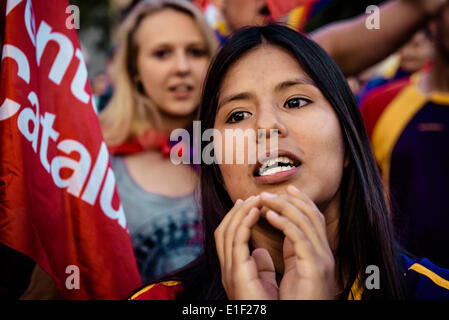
[279, 8]
[202, 4]
[58, 200]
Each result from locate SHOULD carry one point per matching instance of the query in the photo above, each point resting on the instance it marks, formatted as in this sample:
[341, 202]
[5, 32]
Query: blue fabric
[378, 81]
[419, 184]
[420, 286]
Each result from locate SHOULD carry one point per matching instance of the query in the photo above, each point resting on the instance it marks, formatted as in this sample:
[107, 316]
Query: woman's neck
[170, 123]
[439, 76]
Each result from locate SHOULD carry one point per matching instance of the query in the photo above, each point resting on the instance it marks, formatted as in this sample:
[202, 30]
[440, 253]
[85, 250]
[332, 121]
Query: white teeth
[271, 166]
[276, 170]
[271, 162]
[181, 88]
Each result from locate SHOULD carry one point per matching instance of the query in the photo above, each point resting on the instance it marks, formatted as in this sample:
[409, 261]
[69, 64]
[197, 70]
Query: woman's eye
[238, 116]
[161, 54]
[297, 103]
[198, 52]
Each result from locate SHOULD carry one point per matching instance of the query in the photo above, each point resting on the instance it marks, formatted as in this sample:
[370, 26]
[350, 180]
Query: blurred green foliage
[97, 14]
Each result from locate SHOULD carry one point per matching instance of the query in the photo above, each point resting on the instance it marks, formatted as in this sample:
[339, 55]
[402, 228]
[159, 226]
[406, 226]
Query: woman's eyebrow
[161, 45]
[196, 43]
[234, 97]
[293, 82]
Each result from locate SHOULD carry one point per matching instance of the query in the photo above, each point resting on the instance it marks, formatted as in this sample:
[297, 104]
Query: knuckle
[217, 233]
[239, 275]
[331, 262]
[234, 243]
[284, 196]
[326, 267]
[320, 215]
[295, 231]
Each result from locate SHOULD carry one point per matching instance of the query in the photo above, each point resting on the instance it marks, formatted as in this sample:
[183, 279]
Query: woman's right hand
[244, 276]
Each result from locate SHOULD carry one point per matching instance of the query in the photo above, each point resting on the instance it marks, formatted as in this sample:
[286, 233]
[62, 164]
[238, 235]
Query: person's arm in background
[354, 47]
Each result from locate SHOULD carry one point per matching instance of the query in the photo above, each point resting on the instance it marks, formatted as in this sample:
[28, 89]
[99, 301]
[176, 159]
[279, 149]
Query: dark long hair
[365, 235]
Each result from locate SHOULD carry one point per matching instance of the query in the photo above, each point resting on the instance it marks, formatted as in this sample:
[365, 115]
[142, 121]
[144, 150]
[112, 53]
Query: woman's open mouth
[182, 91]
[276, 169]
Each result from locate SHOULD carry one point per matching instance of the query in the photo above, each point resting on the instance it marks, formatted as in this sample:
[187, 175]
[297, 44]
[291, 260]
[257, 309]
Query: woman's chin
[264, 229]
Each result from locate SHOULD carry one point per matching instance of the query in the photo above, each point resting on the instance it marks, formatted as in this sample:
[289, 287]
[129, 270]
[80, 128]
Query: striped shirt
[409, 133]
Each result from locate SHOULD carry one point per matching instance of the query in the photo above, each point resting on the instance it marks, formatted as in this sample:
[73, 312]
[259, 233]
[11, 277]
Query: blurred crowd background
[100, 19]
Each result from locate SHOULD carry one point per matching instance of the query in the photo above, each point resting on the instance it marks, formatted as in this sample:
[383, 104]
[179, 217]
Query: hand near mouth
[244, 276]
[308, 259]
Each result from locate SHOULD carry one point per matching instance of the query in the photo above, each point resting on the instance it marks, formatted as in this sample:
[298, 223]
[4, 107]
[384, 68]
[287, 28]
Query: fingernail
[268, 195]
[239, 201]
[293, 188]
[253, 210]
[252, 198]
[272, 213]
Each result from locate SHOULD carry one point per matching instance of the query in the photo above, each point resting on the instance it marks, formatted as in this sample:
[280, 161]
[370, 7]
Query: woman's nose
[270, 124]
[182, 63]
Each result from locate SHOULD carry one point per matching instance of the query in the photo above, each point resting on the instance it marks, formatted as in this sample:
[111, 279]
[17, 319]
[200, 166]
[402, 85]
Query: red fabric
[150, 139]
[377, 100]
[158, 291]
[202, 4]
[279, 8]
[126, 148]
[58, 200]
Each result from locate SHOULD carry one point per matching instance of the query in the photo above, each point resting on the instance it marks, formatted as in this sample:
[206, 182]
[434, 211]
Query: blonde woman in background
[163, 54]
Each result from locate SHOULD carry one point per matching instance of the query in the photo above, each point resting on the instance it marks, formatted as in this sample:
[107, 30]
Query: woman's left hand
[308, 259]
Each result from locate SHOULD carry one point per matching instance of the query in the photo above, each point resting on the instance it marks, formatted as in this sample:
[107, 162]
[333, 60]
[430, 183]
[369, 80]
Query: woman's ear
[138, 84]
[136, 78]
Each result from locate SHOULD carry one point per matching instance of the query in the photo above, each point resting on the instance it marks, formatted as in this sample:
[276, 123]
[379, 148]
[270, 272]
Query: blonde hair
[130, 112]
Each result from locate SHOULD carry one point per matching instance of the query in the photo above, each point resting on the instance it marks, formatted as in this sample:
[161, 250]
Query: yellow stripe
[431, 275]
[391, 124]
[296, 17]
[141, 291]
[221, 27]
[165, 283]
[389, 68]
[356, 290]
[439, 97]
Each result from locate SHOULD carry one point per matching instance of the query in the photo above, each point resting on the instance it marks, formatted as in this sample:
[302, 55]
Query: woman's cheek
[234, 181]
